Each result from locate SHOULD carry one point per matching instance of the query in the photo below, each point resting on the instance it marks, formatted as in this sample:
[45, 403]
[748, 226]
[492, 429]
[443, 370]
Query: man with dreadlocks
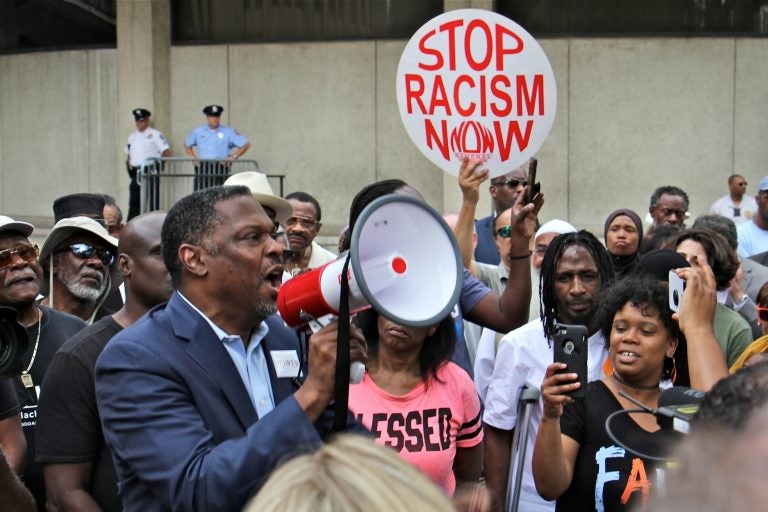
[575, 269]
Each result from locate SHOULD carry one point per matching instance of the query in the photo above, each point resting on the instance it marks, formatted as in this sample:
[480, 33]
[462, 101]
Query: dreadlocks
[585, 239]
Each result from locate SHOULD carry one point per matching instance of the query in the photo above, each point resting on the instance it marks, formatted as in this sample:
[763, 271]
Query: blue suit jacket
[486, 251]
[182, 429]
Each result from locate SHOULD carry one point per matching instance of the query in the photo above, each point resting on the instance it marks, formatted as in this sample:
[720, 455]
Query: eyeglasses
[504, 231]
[86, 251]
[306, 222]
[510, 183]
[27, 252]
[762, 313]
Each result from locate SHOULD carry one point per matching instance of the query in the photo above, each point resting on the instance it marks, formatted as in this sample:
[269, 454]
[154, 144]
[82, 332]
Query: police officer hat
[213, 110]
[141, 113]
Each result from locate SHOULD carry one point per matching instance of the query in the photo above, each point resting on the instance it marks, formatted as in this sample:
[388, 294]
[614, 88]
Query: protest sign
[474, 84]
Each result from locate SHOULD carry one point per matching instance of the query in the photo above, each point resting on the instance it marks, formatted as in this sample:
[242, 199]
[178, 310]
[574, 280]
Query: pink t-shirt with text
[427, 424]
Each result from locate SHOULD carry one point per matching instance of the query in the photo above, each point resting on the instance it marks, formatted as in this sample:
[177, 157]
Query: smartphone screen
[571, 348]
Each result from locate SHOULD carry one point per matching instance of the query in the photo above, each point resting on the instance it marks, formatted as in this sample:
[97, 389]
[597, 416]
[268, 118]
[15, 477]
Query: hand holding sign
[474, 84]
[471, 176]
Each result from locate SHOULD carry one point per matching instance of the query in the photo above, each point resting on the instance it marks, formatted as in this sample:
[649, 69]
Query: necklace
[633, 386]
[26, 378]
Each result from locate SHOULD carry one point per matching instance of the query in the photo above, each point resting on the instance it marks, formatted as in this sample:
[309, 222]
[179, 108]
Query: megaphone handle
[315, 323]
[356, 372]
[356, 368]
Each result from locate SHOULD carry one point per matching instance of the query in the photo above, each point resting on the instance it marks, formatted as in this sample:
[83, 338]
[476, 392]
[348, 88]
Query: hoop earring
[674, 370]
[670, 369]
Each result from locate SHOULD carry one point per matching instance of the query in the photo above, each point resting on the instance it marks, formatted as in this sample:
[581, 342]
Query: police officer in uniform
[145, 142]
[214, 141]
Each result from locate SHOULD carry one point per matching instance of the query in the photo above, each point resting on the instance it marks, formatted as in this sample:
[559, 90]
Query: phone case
[571, 348]
[676, 290]
[533, 187]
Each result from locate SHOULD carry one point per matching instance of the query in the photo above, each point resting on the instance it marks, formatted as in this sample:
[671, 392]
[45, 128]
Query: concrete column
[143, 70]
[450, 5]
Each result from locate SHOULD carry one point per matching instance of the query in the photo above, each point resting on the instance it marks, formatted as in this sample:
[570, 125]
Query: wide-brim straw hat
[260, 189]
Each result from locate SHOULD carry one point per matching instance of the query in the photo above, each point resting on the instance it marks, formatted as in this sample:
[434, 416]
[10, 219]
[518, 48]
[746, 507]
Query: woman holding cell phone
[574, 460]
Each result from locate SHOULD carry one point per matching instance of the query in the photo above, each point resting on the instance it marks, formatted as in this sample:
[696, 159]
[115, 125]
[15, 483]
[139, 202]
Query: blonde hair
[349, 473]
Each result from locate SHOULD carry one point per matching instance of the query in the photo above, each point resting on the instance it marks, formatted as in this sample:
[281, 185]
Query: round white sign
[474, 84]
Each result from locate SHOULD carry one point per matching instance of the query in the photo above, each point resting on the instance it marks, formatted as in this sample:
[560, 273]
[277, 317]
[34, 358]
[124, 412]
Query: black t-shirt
[57, 327]
[68, 428]
[9, 399]
[603, 469]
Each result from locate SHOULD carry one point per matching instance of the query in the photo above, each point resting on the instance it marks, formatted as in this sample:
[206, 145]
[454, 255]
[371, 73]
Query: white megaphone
[404, 262]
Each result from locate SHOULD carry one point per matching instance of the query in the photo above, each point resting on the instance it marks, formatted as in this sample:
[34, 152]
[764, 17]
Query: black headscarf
[624, 265]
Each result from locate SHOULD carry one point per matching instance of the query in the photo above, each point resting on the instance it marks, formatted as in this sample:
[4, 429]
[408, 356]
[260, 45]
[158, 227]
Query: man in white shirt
[753, 236]
[575, 269]
[145, 142]
[735, 205]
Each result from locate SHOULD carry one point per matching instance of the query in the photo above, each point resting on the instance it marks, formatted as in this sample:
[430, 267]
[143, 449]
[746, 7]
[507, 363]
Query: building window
[232, 21]
[46, 25]
[639, 17]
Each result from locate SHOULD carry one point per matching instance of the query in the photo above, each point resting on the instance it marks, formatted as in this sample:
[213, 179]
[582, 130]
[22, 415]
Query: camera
[13, 343]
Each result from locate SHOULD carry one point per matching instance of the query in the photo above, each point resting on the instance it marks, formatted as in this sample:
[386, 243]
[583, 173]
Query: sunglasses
[306, 222]
[86, 251]
[27, 252]
[762, 313]
[511, 183]
[504, 232]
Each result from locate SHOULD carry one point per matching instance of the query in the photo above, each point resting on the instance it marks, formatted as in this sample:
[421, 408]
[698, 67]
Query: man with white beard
[79, 474]
[79, 265]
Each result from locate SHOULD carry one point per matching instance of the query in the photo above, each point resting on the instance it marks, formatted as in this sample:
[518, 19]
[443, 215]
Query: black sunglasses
[27, 252]
[86, 251]
[511, 183]
[762, 313]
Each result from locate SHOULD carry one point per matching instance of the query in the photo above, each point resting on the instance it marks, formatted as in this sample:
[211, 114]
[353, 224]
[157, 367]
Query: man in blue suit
[504, 191]
[199, 399]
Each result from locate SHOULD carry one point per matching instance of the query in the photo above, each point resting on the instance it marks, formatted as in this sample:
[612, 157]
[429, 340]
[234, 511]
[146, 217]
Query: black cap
[659, 262]
[141, 113]
[213, 110]
[74, 205]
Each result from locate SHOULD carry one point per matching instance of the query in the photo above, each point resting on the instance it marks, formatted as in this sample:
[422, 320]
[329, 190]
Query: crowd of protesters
[159, 375]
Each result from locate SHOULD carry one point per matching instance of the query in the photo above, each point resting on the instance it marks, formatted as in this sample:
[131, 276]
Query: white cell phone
[676, 290]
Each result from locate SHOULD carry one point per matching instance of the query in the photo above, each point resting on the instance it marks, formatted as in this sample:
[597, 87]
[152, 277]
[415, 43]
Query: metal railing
[163, 181]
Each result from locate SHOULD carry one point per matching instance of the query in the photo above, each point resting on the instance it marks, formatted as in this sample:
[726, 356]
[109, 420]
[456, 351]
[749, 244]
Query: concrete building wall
[57, 128]
[633, 114]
